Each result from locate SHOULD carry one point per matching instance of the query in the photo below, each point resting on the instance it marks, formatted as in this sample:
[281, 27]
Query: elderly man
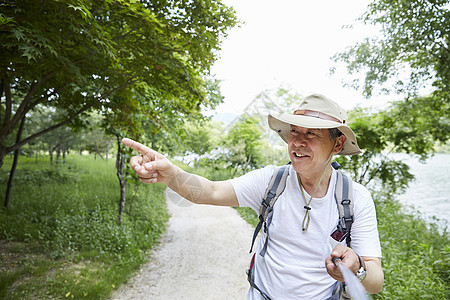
[297, 263]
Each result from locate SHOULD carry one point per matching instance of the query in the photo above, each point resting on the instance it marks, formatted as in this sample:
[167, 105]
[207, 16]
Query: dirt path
[203, 255]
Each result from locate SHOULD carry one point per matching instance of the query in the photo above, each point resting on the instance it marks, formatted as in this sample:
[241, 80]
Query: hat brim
[282, 125]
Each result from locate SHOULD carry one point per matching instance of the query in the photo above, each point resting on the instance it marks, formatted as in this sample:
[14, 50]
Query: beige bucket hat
[317, 111]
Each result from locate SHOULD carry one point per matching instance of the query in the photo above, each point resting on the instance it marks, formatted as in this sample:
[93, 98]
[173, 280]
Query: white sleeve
[364, 233]
[250, 188]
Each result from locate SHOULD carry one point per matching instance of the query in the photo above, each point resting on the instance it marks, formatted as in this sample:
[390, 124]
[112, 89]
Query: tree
[414, 41]
[244, 144]
[404, 127]
[282, 100]
[199, 137]
[75, 55]
[92, 137]
[413, 44]
[57, 140]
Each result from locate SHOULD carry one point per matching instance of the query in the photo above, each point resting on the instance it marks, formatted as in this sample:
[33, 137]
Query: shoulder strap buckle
[275, 188]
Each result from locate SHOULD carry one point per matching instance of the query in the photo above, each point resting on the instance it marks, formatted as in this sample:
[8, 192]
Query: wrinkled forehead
[306, 128]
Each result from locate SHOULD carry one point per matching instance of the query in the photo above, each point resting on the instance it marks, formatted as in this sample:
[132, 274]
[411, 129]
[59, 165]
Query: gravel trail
[203, 255]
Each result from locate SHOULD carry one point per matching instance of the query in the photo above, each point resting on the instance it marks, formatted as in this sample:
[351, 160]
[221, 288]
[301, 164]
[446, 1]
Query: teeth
[299, 155]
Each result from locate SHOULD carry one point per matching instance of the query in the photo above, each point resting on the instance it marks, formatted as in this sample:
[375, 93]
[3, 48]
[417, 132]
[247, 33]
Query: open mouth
[299, 155]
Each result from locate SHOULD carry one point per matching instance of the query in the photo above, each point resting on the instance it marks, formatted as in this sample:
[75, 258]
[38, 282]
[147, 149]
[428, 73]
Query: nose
[298, 139]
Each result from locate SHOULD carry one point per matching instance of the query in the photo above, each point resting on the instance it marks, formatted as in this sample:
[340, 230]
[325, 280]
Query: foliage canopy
[107, 55]
[411, 52]
[414, 42]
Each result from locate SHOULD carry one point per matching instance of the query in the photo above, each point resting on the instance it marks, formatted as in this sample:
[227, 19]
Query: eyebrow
[314, 130]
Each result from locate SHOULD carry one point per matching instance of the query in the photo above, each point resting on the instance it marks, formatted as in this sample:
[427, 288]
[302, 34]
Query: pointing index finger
[142, 149]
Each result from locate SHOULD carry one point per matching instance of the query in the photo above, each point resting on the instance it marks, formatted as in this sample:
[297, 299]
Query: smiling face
[310, 149]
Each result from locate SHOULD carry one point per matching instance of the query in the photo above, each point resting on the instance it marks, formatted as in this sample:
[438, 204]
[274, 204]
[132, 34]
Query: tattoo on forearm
[188, 185]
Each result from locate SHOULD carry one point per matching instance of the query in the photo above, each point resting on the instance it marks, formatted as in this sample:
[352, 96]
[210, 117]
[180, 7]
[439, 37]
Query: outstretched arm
[152, 167]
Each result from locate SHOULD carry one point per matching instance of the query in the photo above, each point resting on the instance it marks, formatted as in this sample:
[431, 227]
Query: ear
[339, 144]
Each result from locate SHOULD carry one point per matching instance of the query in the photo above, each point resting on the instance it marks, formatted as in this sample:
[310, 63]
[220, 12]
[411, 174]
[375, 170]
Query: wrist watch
[362, 273]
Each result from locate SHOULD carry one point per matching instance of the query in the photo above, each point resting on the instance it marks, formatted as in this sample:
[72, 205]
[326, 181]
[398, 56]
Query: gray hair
[335, 133]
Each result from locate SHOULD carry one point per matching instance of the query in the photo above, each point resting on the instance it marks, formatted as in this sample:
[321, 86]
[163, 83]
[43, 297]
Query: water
[429, 194]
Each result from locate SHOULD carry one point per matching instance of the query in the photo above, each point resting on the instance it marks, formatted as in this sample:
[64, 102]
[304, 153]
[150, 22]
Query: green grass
[61, 237]
[416, 254]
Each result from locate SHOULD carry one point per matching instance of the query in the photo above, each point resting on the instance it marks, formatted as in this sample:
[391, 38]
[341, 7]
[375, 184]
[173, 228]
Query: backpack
[277, 184]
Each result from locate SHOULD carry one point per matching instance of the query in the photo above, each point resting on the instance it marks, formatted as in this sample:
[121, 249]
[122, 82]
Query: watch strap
[362, 272]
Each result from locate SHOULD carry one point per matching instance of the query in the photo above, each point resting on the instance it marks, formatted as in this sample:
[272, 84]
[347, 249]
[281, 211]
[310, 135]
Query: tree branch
[2, 82]
[32, 105]
[38, 134]
[8, 101]
[67, 121]
[8, 123]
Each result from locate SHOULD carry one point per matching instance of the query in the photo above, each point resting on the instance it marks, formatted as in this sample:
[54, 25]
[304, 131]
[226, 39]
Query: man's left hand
[348, 257]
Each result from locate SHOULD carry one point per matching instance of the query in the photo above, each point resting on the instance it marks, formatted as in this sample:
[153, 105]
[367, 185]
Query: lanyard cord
[307, 217]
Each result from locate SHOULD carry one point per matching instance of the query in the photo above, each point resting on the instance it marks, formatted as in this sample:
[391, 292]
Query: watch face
[361, 274]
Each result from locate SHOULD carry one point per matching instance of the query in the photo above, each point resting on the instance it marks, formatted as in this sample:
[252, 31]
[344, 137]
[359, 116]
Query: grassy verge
[416, 254]
[61, 237]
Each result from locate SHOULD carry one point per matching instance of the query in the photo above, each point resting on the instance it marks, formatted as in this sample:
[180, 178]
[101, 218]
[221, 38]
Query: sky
[289, 42]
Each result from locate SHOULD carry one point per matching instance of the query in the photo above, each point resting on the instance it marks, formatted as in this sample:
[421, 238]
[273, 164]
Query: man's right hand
[151, 166]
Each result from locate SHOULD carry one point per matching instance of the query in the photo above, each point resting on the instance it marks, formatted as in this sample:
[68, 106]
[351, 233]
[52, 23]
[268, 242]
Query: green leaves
[412, 49]
[245, 144]
[113, 56]
[410, 126]
[411, 52]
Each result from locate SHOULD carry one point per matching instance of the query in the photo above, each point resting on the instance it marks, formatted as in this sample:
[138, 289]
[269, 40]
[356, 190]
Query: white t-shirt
[294, 264]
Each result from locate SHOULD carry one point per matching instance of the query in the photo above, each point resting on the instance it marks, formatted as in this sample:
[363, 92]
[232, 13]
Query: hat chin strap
[307, 217]
[326, 165]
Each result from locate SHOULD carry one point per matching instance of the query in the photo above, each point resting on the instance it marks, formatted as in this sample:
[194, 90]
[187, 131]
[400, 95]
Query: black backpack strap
[276, 186]
[251, 278]
[344, 196]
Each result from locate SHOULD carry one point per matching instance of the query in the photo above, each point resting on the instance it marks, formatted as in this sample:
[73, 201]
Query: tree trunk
[119, 166]
[132, 199]
[13, 167]
[50, 152]
[107, 149]
[247, 162]
[64, 151]
[3, 153]
[98, 150]
[58, 153]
